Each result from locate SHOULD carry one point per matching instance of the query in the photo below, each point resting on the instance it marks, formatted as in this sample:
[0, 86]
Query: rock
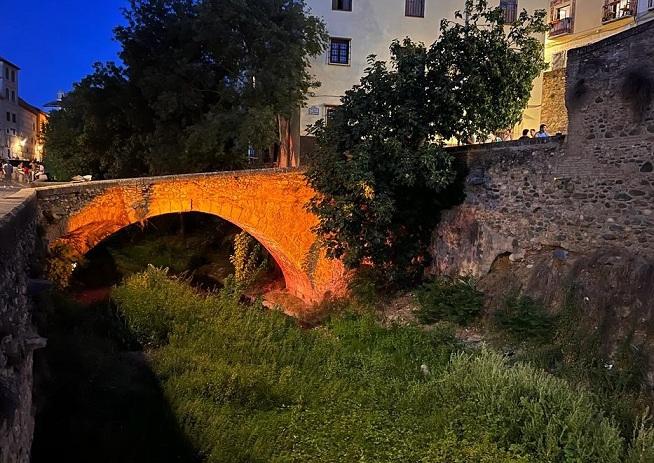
[561, 254]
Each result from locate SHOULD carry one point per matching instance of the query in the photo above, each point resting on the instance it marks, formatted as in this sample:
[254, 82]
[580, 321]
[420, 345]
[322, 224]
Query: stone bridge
[268, 204]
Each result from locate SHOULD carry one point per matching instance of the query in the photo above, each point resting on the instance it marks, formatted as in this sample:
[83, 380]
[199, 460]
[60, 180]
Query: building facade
[359, 28]
[574, 24]
[21, 124]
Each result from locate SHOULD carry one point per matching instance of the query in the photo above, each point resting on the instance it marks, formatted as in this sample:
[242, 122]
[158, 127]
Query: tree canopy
[201, 81]
[380, 168]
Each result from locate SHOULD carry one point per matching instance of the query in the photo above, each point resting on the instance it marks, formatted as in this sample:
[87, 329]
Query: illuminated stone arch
[268, 204]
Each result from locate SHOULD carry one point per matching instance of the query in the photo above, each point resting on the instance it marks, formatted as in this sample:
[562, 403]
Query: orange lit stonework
[269, 205]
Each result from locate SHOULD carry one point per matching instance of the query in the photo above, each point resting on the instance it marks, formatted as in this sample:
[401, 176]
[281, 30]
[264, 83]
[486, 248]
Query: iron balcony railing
[561, 26]
[618, 9]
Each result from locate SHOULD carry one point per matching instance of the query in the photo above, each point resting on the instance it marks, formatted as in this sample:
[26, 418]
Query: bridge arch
[268, 204]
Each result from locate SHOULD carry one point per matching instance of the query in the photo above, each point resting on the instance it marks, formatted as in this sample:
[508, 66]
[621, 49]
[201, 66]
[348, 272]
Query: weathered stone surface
[268, 204]
[586, 198]
[17, 336]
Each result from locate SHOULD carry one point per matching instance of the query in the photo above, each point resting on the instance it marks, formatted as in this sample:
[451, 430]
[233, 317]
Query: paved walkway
[12, 195]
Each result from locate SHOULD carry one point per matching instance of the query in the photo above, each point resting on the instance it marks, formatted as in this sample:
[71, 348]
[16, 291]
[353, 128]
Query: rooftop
[9, 62]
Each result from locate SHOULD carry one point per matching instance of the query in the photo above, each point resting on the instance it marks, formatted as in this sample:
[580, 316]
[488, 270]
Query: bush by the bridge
[380, 170]
[250, 385]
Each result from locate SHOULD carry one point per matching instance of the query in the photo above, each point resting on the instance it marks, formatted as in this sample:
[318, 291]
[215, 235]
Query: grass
[249, 385]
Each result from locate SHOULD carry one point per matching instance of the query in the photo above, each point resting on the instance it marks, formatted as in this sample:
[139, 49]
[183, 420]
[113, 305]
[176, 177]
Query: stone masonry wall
[596, 189]
[17, 336]
[553, 112]
[544, 218]
[268, 204]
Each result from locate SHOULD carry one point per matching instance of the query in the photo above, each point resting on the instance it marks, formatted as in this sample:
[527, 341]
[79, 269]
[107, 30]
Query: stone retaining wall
[571, 218]
[17, 336]
[592, 191]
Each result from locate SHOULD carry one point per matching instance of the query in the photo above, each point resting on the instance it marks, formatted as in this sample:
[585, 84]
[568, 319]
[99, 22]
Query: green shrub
[453, 299]
[524, 318]
[158, 305]
[527, 410]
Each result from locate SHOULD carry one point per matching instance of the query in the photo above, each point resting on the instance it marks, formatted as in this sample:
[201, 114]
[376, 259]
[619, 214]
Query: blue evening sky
[56, 42]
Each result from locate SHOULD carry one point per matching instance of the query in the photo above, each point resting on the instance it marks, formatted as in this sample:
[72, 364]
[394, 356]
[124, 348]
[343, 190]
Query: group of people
[528, 134]
[24, 172]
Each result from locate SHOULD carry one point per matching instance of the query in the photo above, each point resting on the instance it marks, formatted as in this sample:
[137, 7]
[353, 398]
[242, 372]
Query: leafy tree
[202, 81]
[380, 169]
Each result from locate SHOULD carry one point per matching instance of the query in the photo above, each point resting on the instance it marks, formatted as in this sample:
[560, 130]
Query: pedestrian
[525, 135]
[532, 133]
[8, 170]
[542, 133]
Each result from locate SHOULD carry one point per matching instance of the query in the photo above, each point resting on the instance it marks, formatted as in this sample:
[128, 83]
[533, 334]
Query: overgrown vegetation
[453, 299]
[249, 260]
[250, 385]
[570, 347]
[380, 170]
[525, 319]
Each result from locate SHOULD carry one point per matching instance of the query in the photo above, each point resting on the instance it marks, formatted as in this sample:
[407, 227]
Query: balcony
[618, 9]
[560, 27]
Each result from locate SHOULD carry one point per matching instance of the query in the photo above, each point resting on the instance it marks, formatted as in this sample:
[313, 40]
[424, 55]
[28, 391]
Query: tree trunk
[288, 156]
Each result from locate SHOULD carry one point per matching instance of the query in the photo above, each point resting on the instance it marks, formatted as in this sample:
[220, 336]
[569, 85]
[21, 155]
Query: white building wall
[645, 10]
[9, 108]
[371, 26]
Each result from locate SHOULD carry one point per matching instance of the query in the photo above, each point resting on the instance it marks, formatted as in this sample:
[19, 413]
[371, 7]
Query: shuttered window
[415, 8]
[510, 10]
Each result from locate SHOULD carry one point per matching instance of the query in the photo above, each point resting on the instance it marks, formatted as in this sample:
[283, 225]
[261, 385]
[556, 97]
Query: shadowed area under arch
[268, 204]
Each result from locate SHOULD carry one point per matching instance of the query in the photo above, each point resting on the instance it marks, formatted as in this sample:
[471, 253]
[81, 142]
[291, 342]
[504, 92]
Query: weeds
[452, 299]
[524, 318]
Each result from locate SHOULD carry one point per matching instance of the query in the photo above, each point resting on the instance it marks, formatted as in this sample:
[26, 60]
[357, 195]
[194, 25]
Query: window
[329, 112]
[342, 5]
[616, 9]
[7, 93]
[415, 8]
[13, 118]
[8, 116]
[650, 4]
[339, 51]
[509, 11]
[13, 75]
[561, 17]
[6, 72]
[13, 95]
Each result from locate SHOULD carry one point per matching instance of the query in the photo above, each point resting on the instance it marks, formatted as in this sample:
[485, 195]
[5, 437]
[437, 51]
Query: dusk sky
[55, 42]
